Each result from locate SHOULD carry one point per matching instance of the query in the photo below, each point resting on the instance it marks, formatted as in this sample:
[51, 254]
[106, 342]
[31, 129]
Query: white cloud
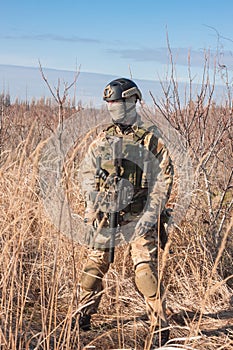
[49, 36]
[180, 56]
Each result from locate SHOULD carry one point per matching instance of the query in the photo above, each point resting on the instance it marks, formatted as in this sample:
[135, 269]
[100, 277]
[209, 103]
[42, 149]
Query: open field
[40, 267]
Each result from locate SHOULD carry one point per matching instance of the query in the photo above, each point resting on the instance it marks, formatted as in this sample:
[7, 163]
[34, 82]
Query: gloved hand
[166, 216]
[89, 215]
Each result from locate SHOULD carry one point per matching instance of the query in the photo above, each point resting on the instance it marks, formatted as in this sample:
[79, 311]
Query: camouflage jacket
[146, 166]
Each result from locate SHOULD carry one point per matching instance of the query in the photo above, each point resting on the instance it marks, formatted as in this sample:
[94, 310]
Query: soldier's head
[121, 96]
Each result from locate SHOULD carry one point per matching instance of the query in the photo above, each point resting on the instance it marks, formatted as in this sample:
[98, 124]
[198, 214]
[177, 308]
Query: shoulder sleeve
[161, 182]
[87, 169]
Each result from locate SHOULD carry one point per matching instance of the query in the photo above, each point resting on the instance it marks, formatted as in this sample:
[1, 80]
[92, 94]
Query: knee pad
[91, 279]
[146, 280]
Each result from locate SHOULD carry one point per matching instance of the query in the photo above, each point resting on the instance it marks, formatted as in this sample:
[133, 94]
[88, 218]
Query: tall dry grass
[40, 267]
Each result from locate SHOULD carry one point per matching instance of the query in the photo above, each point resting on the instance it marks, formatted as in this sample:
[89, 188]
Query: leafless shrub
[206, 129]
[40, 268]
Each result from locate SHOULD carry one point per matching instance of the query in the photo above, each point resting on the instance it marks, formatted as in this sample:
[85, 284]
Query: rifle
[117, 196]
[115, 209]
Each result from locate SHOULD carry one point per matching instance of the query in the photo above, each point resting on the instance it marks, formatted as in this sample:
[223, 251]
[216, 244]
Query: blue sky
[115, 37]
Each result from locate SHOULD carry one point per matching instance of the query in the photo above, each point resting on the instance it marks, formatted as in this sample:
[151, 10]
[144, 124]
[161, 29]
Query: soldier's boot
[91, 286]
[84, 322]
[147, 283]
[89, 302]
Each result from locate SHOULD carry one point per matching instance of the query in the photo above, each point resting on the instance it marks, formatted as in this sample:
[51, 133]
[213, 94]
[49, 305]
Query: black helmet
[121, 88]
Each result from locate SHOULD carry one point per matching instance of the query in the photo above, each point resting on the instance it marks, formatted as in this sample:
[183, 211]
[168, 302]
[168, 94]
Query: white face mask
[123, 112]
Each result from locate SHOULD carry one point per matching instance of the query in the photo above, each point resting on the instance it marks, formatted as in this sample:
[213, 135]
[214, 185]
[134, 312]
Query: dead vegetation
[40, 267]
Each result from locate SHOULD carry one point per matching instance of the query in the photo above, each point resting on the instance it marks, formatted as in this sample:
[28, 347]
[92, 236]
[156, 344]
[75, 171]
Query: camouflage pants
[144, 256]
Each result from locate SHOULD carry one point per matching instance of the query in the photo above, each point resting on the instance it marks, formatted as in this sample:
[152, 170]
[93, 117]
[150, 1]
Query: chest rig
[134, 160]
[133, 154]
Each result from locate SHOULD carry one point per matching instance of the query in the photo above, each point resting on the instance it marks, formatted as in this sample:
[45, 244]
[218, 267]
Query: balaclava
[123, 112]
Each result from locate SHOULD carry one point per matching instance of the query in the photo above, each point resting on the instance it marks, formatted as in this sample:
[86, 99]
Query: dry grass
[40, 268]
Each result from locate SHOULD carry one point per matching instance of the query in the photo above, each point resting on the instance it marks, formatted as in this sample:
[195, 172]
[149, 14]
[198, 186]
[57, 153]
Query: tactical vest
[133, 154]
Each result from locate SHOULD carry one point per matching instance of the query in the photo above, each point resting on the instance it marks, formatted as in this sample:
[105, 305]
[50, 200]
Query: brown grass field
[40, 267]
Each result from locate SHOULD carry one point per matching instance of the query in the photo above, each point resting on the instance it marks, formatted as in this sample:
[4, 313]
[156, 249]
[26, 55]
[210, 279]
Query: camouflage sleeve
[161, 183]
[87, 171]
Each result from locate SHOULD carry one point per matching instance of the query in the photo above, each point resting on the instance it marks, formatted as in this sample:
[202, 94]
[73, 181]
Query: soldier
[147, 170]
